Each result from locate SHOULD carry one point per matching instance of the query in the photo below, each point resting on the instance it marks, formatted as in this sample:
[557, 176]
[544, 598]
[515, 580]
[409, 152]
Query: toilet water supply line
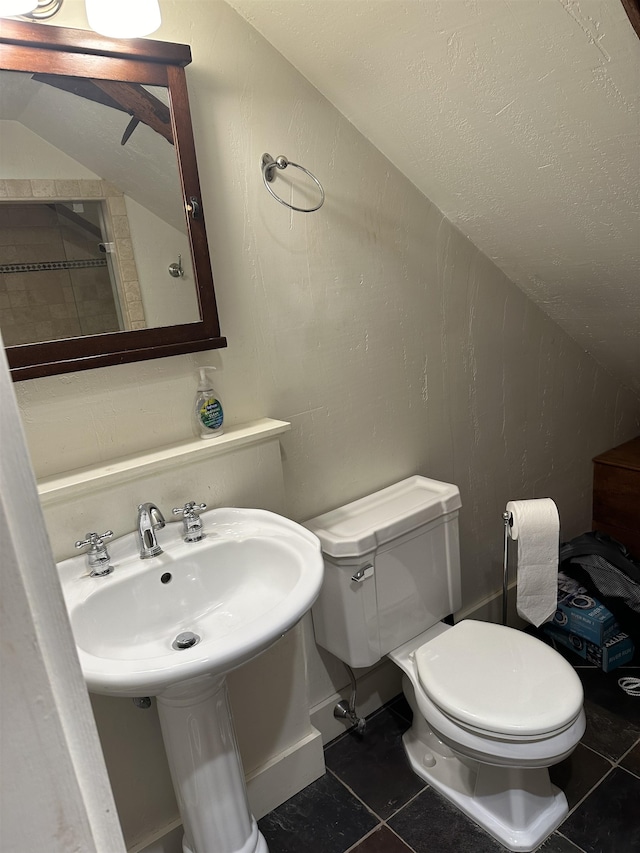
[346, 710]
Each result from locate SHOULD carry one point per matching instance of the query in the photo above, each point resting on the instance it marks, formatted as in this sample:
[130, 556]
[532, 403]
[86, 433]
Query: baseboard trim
[268, 786]
[165, 840]
[285, 774]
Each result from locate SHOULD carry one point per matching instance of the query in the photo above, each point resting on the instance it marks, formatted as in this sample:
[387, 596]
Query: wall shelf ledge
[72, 484]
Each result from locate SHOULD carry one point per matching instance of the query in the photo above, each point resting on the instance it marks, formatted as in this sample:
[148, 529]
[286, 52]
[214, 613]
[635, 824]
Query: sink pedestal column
[206, 770]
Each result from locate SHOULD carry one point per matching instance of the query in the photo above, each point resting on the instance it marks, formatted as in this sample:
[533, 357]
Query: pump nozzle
[204, 384]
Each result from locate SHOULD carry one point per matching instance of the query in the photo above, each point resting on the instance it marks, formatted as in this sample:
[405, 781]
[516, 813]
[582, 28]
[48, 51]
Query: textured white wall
[391, 343]
[519, 120]
[387, 339]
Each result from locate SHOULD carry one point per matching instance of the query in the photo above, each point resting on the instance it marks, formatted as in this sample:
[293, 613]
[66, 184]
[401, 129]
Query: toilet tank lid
[361, 526]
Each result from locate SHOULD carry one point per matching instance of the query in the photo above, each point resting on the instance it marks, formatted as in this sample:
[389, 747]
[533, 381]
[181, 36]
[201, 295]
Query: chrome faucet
[150, 519]
[98, 559]
[192, 530]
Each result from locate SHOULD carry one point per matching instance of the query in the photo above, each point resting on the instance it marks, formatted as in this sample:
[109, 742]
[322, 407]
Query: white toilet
[493, 707]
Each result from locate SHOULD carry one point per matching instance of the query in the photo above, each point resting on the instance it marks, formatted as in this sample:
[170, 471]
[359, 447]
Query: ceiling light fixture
[123, 18]
[9, 8]
[114, 18]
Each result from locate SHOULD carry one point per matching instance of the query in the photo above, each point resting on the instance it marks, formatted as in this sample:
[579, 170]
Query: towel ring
[269, 164]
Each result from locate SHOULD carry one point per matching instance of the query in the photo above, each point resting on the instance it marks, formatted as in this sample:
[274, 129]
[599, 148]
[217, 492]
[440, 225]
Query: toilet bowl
[493, 707]
[498, 778]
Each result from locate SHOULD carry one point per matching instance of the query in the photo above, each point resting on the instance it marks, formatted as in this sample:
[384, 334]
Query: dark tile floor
[370, 801]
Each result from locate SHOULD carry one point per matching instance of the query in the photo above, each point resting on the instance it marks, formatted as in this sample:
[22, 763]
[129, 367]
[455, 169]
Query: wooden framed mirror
[103, 249]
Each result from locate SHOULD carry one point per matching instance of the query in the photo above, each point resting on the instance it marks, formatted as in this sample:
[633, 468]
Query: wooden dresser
[616, 494]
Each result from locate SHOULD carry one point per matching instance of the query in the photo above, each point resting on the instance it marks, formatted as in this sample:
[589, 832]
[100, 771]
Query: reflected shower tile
[62, 311]
[8, 254]
[66, 329]
[120, 227]
[68, 189]
[117, 206]
[18, 299]
[125, 249]
[44, 331]
[43, 188]
[128, 270]
[91, 189]
[17, 188]
[14, 282]
[99, 325]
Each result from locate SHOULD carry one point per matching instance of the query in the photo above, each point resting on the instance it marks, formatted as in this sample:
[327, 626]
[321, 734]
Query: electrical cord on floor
[630, 685]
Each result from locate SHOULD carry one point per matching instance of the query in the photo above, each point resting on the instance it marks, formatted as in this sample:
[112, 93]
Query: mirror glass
[93, 233]
[104, 257]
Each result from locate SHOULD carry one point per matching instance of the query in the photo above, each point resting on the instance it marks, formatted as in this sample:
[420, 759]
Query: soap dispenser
[208, 408]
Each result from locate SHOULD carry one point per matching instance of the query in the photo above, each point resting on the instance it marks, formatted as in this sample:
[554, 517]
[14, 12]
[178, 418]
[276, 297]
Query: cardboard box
[616, 651]
[571, 641]
[582, 615]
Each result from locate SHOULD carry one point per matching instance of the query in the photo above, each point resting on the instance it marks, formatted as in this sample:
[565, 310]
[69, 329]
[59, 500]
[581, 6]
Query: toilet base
[518, 807]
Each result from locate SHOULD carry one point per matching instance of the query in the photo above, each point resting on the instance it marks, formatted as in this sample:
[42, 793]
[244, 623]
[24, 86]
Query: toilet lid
[499, 680]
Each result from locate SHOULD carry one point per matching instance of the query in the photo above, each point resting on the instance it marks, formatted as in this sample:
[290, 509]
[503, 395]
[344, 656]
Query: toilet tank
[392, 569]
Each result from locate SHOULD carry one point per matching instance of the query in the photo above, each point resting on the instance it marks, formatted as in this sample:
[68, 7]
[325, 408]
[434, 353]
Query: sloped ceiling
[519, 119]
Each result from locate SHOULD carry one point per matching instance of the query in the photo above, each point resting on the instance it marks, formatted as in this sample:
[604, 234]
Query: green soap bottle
[208, 413]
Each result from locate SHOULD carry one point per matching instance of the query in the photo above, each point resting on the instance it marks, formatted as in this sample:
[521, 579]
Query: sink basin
[238, 590]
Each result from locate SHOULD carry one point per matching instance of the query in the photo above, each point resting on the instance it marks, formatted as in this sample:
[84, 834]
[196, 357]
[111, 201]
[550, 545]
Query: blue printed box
[616, 651]
[581, 614]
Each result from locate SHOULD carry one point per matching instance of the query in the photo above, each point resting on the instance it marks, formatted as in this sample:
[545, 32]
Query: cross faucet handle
[192, 530]
[190, 508]
[97, 555]
[95, 540]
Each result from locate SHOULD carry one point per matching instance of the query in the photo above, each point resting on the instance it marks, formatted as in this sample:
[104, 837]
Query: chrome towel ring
[269, 164]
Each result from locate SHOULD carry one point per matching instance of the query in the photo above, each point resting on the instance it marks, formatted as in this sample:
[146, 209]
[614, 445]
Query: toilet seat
[487, 747]
[499, 682]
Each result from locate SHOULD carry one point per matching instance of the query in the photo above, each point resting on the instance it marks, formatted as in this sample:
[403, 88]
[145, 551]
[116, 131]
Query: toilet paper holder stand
[507, 520]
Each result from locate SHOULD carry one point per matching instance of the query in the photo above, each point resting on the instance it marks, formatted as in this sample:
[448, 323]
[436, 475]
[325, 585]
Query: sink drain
[185, 640]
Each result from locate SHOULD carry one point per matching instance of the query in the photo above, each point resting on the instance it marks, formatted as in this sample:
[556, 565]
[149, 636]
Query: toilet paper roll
[536, 527]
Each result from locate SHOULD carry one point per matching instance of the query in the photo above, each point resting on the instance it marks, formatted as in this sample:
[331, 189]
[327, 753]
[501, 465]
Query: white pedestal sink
[207, 772]
[238, 590]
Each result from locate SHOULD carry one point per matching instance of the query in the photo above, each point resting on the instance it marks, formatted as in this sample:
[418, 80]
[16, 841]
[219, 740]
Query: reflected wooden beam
[140, 104]
[130, 98]
[632, 8]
